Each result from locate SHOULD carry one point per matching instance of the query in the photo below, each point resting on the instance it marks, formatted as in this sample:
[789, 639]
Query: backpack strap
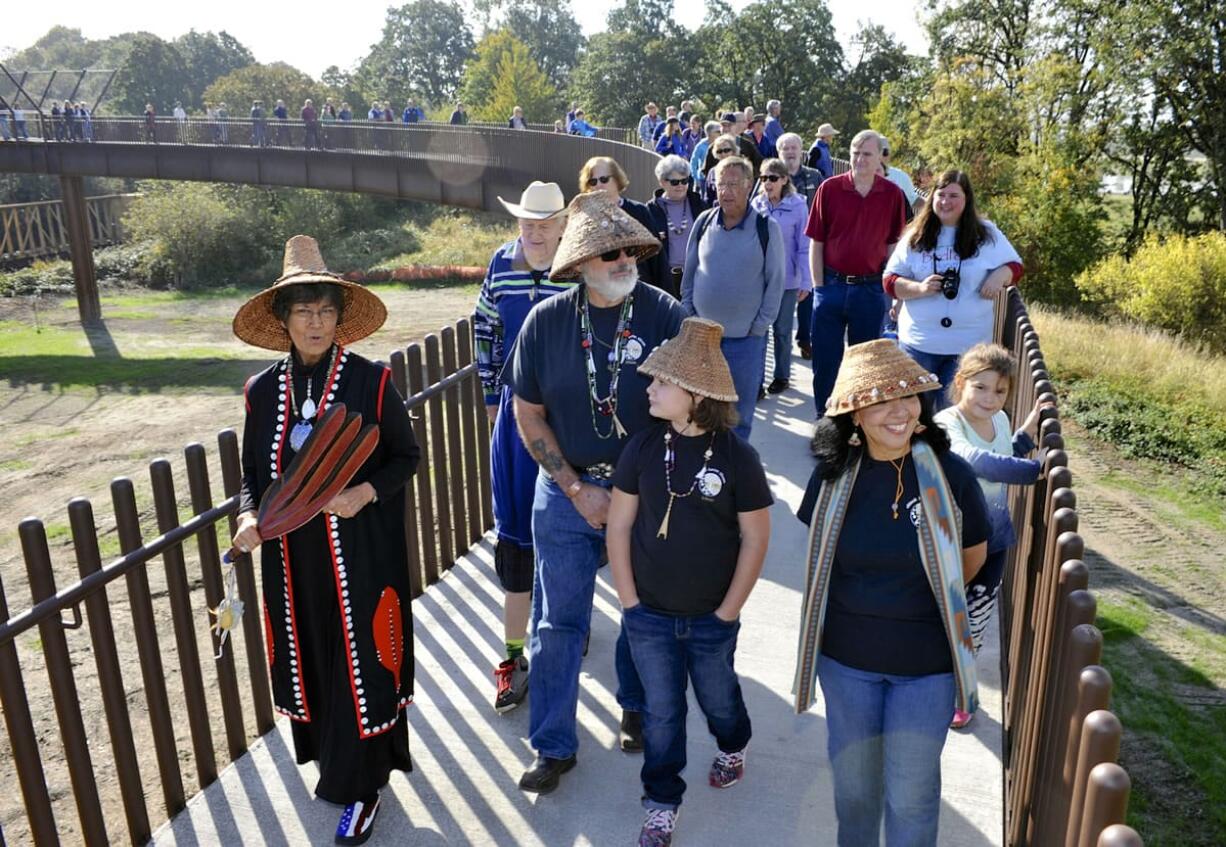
[763, 225]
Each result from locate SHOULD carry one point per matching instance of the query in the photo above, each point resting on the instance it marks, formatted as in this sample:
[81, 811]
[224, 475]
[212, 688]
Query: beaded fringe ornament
[669, 462]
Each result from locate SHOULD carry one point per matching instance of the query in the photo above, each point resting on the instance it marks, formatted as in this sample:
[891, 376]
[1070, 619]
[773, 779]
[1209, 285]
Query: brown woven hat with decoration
[874, 372]
[693, 361]
[596, 225]
[363, 312]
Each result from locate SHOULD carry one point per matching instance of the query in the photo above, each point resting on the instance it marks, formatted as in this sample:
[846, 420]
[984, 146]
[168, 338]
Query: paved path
[468, 758]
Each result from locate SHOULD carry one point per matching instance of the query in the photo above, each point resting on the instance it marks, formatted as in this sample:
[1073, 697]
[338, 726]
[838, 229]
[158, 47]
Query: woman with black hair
[947, 270]
[898, 525]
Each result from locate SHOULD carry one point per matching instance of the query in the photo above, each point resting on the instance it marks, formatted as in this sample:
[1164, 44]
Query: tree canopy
[422, 53]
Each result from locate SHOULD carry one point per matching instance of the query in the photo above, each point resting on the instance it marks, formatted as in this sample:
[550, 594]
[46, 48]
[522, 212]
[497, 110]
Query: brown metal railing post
[1106, 801]
[110, 675]
[438, 446]
[472, 414]
[425, 469]
[253, 633]
[20, 726]
[63, 685]
[412, 539]
[183, 618]
[457, 469]
[146, 637]
[210, 566]
[1097, 741]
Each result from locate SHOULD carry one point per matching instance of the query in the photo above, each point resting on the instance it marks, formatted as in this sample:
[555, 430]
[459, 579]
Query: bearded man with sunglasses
[578, 398]
[604, 174]
[673, 211]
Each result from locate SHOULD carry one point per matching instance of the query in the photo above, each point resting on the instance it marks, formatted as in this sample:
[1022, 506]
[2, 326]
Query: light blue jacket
[791, 214]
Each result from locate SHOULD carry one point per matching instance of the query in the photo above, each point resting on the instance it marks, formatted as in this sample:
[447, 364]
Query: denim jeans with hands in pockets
[667, 649]
[568, 554]
[885, 734]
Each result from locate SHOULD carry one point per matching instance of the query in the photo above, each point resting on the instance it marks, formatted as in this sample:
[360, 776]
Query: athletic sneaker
[961, 719]
[357, 822]
[658, 828]
[727, 769]
[512, 678]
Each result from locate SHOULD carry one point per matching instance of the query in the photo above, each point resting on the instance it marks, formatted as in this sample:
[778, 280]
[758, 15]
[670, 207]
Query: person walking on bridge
[281, 113]
[517, 279]
[310, 126]
[151, 120]
[259, 124]
[584, 343]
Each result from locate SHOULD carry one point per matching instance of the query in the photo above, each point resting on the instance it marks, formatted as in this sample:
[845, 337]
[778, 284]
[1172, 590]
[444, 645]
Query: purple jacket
[791, 214]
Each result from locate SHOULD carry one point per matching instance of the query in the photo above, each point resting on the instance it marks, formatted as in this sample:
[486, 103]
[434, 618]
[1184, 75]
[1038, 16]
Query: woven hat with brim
[363, 311]
[596, 225]
[874, 372]
[827, 129]
[693, 361]
[539, 202]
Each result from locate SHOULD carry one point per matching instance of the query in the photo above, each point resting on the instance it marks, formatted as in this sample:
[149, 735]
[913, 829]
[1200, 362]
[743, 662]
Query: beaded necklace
[298, 435]
[607, 406]
[670, 461]
[678, 228]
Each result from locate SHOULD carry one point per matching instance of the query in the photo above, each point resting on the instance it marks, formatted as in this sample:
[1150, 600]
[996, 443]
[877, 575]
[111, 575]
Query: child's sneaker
[727, 769]
[512, 678]
[961, 719]
[658, 828]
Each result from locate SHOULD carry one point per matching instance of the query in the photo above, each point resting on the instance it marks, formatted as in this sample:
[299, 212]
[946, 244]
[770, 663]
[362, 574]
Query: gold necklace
[898, 488]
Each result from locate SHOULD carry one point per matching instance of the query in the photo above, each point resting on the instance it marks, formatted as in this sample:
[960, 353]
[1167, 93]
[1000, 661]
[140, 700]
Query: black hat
[728, 118]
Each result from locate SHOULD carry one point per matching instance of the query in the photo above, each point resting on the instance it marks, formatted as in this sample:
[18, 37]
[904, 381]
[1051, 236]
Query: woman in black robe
[337, 615]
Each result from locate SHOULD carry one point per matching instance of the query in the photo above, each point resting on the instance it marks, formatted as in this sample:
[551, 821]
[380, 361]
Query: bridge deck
[468, 758]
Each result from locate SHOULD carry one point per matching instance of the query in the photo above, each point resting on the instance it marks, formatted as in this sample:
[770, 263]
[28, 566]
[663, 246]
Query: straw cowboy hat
[597, 225]
[363, 311]
[539, 202]
[693, 361]
[826, 130]
[875, 372]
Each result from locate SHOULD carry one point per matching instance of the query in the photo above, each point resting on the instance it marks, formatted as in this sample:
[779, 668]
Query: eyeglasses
[772, 178]
[614, 255]
[676, 182]
[327, 314]
[592, 180]
[722, 150]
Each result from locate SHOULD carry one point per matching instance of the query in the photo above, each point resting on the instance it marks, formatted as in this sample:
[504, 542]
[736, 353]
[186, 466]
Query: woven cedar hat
[363, 312]
[874, 372]
[693, 361]
[597, 224]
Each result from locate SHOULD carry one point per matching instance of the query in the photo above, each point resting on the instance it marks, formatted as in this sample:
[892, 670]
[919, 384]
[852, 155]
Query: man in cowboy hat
[578, 397]
[336, 592]
[819, 154]
[517, 279]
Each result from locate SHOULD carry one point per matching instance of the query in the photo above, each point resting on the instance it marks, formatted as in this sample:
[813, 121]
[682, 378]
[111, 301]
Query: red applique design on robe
[388, 633]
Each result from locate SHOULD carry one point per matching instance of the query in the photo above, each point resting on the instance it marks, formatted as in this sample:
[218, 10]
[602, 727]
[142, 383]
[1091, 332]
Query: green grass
[16, 465]
[1187, 505]
[1190, 738]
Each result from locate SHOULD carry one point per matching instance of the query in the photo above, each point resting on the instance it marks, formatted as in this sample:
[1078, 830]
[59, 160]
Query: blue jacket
[792, 213]
[412, 115]
[820, 160]
[582, 127]
[670, 144]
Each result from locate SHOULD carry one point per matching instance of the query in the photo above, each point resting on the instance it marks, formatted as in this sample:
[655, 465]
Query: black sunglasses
[676, 182]
[723, 150]
[614, 255]
[592, 180]
[772, 177]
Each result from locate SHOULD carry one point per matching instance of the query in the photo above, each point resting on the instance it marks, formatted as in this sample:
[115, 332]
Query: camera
[951, 279]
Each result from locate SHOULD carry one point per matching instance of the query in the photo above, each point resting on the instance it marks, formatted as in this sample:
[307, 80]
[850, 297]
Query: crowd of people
[658, 314]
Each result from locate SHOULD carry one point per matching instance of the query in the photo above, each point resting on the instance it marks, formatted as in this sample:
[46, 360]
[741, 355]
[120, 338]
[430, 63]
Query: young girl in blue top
[979, 432]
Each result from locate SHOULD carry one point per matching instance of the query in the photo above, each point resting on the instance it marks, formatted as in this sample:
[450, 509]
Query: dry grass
[1125, 354]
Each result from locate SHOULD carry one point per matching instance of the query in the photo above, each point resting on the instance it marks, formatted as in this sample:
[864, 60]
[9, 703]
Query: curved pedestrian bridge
[468, 759]
[466, 166]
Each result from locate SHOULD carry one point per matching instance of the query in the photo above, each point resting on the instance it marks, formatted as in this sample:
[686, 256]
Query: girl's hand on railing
[1031, 424]
[247, 538]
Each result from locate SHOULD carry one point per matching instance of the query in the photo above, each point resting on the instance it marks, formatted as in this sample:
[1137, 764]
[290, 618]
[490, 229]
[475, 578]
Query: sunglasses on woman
[592, 180]
[676, 182]
[614, 255]
[722, 150]
[772, 178]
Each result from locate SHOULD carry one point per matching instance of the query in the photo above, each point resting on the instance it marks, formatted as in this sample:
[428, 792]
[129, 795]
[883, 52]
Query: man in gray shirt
[735, 271]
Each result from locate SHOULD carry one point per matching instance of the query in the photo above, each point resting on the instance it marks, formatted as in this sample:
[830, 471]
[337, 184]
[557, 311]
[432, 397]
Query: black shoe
[631, 735]
[544, 774]
[761, 392]
[806, 352]
[778, 386]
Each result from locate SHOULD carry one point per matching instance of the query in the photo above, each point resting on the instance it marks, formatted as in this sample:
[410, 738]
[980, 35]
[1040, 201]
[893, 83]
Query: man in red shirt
[855, 221]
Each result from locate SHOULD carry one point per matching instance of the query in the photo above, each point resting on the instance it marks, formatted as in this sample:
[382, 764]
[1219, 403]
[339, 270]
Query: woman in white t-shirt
[948, 241]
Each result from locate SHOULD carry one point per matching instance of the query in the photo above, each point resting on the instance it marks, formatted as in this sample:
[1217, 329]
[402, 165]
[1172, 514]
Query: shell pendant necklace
[301, 430]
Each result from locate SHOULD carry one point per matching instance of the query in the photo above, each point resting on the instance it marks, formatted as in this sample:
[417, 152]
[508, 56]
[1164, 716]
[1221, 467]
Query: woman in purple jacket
[779, 199]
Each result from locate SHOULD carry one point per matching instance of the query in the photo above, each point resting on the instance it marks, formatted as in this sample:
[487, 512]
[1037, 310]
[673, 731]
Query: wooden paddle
[331, 455]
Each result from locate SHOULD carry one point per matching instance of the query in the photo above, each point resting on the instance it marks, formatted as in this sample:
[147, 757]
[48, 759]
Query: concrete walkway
[468, 759]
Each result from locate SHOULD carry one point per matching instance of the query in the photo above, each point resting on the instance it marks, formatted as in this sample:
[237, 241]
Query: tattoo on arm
[546, 458]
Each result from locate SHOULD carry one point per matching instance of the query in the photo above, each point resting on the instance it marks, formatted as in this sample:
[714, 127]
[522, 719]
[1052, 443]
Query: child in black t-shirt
[687, 534]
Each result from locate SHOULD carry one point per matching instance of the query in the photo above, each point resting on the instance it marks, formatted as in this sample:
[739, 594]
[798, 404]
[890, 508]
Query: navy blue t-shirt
[549, 367]
[689, 572]
[881, 615]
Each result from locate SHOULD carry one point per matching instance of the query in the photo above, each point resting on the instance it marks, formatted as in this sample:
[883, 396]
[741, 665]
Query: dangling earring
[920, 428]
[854, 440]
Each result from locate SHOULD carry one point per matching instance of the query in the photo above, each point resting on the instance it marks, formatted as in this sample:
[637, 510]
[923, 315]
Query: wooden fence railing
[183, 695]
[33, 230]
[1062, 783]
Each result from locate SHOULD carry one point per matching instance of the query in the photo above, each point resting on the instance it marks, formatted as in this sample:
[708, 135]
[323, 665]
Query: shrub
[50, 277]
[1177, 284]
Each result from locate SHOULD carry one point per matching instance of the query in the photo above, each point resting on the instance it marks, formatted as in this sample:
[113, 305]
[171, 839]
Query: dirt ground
[57, 443]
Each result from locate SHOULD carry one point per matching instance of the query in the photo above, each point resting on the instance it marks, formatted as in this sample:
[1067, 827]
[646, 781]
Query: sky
[311, 43]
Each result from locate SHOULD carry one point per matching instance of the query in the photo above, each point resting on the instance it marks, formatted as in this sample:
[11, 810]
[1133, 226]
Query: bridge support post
[81, 249]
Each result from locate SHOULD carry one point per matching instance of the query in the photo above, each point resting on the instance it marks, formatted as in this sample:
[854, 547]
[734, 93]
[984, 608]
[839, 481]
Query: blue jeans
[666, 650]
[944, 366]
[885, 735]
[804, 321]
[568, 554]
[747, 360]
[783, 335]
[838, 307]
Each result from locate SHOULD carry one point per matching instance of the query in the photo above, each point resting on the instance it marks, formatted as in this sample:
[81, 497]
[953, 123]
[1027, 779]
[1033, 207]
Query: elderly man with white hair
[856, 220]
